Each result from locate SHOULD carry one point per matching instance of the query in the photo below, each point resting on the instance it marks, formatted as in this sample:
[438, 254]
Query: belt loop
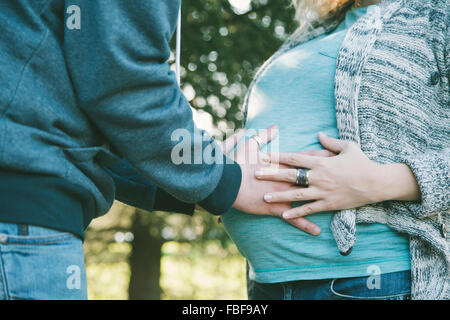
[287, 291]
[23, 230]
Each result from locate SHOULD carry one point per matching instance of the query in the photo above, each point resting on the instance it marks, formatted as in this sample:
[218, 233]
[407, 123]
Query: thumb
[331, 144]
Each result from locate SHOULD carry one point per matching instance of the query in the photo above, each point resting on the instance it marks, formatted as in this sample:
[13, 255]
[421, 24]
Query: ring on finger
[302, 177]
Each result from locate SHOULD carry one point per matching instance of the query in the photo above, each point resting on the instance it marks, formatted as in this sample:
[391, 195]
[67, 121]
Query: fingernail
[258, 174]
[287, 215]
[316, 231]
[268, 197]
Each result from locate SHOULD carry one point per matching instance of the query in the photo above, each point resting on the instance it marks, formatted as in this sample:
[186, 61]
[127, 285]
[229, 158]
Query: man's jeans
[389, 286]
[40, 263]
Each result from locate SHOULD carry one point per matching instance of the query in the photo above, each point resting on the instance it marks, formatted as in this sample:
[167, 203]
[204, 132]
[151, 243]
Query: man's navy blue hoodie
[74, 101]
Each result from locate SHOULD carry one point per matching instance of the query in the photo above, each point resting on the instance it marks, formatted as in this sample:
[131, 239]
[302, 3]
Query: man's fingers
[276, 174]
[229, 144]
[306, 209]
[293, 159]
[269, 134]
[296, 194]
[305, 225]
[249, 152]
[314, 153]
[318, 153]
[265, 136]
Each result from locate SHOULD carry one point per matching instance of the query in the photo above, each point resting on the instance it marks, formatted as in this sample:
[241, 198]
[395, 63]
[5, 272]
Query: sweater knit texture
[392, 97]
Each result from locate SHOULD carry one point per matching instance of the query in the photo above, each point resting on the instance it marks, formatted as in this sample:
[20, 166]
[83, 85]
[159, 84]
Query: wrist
[396, 182]
[240, 195]
[383, 183]
[226, 192]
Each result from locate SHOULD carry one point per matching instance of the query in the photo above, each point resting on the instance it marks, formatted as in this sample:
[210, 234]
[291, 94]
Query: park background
[134, 254]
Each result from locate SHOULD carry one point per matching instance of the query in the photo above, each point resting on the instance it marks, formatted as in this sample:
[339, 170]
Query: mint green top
[296, 91]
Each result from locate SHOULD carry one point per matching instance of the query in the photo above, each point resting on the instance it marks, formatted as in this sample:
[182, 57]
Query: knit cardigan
[392, 98]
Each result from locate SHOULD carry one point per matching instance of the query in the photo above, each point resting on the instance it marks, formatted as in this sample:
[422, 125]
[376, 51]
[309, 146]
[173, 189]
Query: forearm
[126, 88]
[395, 182]
[352, 180]
[133, 189]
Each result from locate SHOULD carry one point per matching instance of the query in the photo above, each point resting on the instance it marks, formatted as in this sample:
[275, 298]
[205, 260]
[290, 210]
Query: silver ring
[302, 178]
[258, 140]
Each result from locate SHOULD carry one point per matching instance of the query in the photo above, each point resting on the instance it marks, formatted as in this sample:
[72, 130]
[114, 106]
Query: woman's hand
[348, 180]
[251, 194]
[252, 200]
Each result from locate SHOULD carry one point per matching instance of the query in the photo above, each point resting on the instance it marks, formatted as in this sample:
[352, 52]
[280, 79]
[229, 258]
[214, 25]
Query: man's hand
[251, 193]
[250, 197]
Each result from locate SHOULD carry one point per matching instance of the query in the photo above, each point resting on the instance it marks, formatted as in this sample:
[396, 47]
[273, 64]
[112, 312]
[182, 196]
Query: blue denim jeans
[389, 286]
[40, 264]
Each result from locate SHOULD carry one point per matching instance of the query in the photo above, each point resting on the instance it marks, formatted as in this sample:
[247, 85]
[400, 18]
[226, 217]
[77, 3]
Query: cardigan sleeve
[432, 172]
[432, 168]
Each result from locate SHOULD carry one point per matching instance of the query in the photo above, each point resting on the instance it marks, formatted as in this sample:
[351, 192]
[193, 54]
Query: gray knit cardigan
[392, 98]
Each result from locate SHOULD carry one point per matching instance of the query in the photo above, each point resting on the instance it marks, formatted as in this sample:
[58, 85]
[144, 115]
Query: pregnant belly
[277, 251]
[270, 242]
[272, 245]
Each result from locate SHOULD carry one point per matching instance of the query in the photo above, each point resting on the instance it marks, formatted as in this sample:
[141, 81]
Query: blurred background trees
[139, 255]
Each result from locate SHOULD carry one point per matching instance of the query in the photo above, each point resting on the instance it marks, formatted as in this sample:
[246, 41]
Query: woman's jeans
[40, 263]
[389, 286]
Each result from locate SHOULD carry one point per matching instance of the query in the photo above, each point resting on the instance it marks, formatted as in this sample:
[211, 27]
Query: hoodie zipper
[178, 48]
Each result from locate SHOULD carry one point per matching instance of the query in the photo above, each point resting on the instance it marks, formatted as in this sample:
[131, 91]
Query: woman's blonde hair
[310, 11]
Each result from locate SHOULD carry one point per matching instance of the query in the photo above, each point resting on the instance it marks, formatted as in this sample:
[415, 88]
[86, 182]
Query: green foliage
[222, 50]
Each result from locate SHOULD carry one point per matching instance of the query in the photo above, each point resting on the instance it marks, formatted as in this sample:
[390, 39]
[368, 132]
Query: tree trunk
[144, 260]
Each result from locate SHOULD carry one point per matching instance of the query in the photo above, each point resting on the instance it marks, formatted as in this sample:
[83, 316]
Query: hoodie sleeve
[117, 60]
[133, 189]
